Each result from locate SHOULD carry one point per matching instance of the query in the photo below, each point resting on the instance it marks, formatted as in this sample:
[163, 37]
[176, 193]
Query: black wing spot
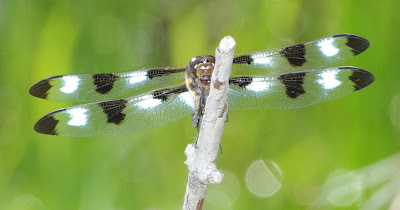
[293, 83]
[295, 54]
[114, 109]
[48, 124]
[357, 44]
[166, 93]
[41, 88]
[161, 72]
[241, 81]
[360, 77]
[104, 82]
[243, 59]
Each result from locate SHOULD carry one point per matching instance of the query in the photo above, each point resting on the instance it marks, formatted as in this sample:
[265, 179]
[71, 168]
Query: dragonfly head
[202, 67]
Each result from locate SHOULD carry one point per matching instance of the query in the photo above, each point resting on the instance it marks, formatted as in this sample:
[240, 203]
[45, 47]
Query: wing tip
[358, 44]
[47, 124]
[41, 88]
[360, 77]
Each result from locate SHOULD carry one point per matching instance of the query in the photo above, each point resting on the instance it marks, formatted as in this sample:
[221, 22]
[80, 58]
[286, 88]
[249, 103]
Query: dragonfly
[285, 78]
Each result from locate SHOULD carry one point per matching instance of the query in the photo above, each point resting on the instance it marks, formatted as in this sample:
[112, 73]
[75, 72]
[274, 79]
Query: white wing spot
[258, 85]
[137, 77]
[78, 117]
[71, 84]
[147, 102]
[262, 59]
[188, 98]
[327, 48]
[328, 79]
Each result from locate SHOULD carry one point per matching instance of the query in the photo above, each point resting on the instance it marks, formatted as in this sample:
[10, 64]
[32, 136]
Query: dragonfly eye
[194, 62]
[210, 59]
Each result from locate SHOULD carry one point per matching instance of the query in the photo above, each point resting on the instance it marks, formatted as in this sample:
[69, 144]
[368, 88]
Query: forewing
[294, 90]
[320, 53]
[100, 87]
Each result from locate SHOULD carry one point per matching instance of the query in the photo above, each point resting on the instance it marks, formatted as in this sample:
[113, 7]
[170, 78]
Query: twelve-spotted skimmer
[286, 78]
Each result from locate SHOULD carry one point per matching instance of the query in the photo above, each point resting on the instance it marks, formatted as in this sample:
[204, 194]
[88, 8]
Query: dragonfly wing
[100, 87]
[295, 90]
[119, 116]
[320, 53]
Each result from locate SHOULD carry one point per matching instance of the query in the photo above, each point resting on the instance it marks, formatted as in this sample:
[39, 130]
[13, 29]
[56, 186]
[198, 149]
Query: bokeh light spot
[344, 188]
[263, 179]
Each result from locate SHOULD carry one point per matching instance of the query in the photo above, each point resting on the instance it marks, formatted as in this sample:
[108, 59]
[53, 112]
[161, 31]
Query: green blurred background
[298, 151]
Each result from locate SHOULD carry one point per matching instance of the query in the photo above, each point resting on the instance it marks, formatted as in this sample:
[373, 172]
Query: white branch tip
[227, 44]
